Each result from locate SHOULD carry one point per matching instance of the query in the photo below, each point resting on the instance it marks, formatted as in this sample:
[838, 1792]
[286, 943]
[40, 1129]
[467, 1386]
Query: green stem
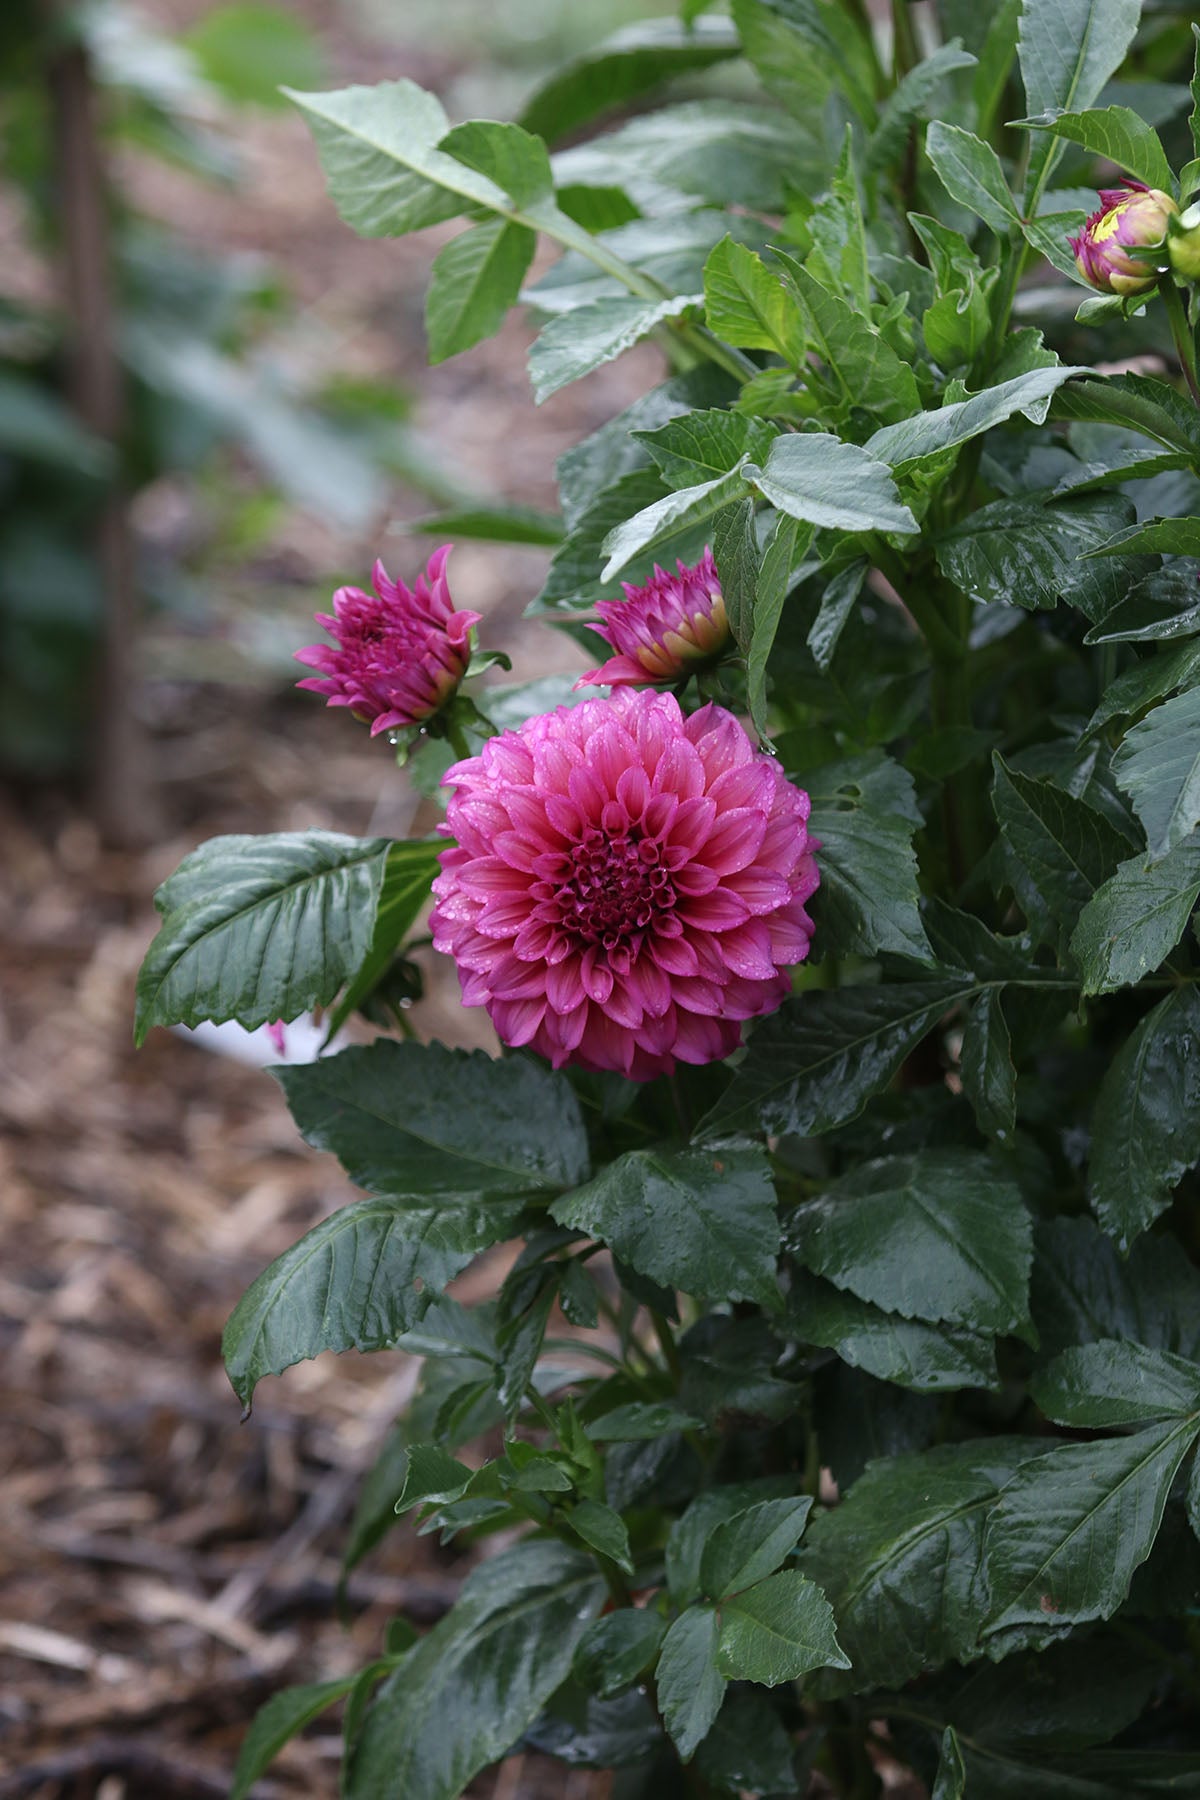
[457, 739]
[666, 1338]
[906, 52]
[1181, 334]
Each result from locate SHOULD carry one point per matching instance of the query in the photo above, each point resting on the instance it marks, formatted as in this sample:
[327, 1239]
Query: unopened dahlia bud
[400, 652]
[662, 631]
[625, 885]
[1131, 218]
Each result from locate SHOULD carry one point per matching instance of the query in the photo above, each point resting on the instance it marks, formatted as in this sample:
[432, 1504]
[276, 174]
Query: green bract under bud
[1183, 243]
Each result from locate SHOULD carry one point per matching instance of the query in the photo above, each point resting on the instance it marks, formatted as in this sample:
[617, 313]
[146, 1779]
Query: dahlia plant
[833, 1427]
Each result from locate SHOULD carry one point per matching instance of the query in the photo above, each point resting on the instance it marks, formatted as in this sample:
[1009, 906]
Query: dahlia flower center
[612, 887]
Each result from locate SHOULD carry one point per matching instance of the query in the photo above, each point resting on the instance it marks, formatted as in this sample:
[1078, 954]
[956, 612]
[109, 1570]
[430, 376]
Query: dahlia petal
[718, 911]
[735, 840]
[747, 951]
[675, 955]
[517, 1021]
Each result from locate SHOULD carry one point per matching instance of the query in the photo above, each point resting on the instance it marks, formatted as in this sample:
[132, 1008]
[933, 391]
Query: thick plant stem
[1181, 335]
[906, 52]
[456, 737]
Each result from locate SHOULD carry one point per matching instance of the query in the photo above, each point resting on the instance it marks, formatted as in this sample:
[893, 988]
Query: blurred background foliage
[233, 421]
[252, 451]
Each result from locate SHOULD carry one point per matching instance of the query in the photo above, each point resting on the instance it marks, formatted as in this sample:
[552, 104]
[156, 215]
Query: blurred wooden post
[120, 773]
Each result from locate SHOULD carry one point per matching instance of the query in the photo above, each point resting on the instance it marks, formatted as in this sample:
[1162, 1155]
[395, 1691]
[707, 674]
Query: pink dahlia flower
[663, 630]
[1132, 217]
[400, 652]
[627, 884]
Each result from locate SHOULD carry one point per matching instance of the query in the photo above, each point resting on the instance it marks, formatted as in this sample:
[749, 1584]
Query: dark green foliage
[858, 1378]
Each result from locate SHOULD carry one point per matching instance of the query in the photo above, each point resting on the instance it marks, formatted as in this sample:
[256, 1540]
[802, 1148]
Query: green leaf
[1113, 1382]
[261, 928]
[820, 479]
[575, 343]
[943, 1234]
[1068, 49]
[817, 1061]
[690, 1686]
[276, 1723]
[837, 604]
[664, 519]
[864, 814]
[1158, 766]
[704, 443]
[910, 100]
[800, 49]
[930, 434]
[778, 1630]
[951, 1780]
[735, 552]
[726, 152]
[430, 1475]
[1145, 682]
[698, 1219]
[1131, 925]
[474, 281]
[603, 459]
[419, 1119]
[1149, 406]
[604, 1530]
[641, 1420]
[771, 591]
[409, 869]
[506, 154]
[1084, 1289]
[899, 1557]
[1072, 1526]
[632, 61]
[970, 172]
[1146, 1129]
[1063, 849]
[358, 1280]
[492, 524]
[858, 358]
[573, 582]
[378, 148]
[1118, 135]
[989, 1076]
[691, 1531]
[1156, 537]
[747, 304]
[748, 1748]
[1025, 552]
[615, 1649]
[752, 1544]
[929, 1359]
[479, 1679]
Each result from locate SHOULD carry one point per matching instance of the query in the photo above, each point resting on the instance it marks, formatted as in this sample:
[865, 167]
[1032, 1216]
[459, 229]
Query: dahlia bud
[400, 652]
[1132, 218]
[663, 631]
